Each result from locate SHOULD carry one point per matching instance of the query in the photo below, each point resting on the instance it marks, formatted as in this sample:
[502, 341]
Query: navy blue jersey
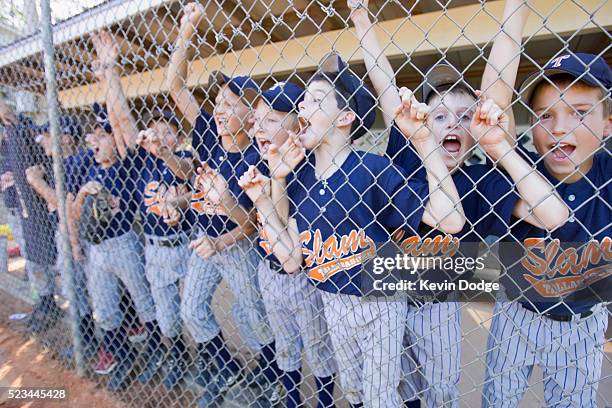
[10, 194]
[487, 197]
[579, 252]
[154, 179]
[76, 169]
[120, 180]
[231, 165]
[38, 225]
[342, 219]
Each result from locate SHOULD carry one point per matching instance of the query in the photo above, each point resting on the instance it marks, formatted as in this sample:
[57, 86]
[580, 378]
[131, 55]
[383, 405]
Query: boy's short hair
[443, 78]
[459, 88]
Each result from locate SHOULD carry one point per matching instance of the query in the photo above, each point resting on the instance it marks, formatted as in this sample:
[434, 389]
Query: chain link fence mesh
[239, 179]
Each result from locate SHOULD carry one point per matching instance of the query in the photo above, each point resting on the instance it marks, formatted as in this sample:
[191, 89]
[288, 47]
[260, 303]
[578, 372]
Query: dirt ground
[23, 363]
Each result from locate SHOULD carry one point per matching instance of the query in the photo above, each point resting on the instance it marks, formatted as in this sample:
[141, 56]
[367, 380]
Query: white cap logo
[278, 85]
[556, 63]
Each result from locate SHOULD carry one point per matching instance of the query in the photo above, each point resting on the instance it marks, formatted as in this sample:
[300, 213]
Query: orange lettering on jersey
[264, 243]
[201, 204]
[440, 245]
[330, 256]
[154, 194]
[557, 263]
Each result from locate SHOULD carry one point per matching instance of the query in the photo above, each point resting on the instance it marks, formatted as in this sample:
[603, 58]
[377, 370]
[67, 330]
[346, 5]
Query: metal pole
[58, 171]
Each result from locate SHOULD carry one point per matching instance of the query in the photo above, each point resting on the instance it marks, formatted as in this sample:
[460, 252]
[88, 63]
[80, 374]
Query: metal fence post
[58, 171]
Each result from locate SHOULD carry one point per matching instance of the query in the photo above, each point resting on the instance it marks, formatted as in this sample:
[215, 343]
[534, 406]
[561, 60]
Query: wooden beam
[460, 28]
[79, 26]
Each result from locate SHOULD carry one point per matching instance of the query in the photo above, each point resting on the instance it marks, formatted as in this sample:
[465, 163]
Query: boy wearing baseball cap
[76, 164]
[457, 122]
[222, 249]
[555, 280]
[341, 203]
[166, 248]
[294, 308]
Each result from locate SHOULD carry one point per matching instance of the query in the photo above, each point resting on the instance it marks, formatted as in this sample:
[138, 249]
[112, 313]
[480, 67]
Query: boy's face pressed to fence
[103, 146]
[46, 142]
[571, 125]
[319, 114]
[231, 114]
[168, 133]
[449, 122]
[270, 126]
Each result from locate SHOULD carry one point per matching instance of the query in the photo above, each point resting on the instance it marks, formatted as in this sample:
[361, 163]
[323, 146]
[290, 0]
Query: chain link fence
[312, 203]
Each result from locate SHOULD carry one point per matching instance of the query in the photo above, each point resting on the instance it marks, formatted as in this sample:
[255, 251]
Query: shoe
[206, 370]
[153, 361]
[174, 371]
[215, 390]
[104, 363]
[137, 334]
[120, 377]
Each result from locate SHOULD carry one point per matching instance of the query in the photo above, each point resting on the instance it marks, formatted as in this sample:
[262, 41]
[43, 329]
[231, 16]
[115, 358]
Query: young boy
[555, 280]
[77, 164]
[433, 335]
[166, 247]
[294, 308]
[117, 254]
[222, 249]
[343, 202]
[38, 225]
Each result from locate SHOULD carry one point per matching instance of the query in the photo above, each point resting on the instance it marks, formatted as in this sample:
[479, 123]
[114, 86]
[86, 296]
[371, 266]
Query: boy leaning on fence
[294, 307]
[556, 280]
[223, 247]
[115, 253]
[76, 165]
[166, 246]
[458, 119]
[338, 204]
[38, 225]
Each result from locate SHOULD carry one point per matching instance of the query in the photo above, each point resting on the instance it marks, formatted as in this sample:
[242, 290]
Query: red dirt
[24, 363]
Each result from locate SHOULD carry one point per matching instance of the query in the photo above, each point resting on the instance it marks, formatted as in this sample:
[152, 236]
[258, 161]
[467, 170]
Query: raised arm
[499, 78]
[178, 67]
[539, 203]
[443, 210]
[379, 69]
[119, 114]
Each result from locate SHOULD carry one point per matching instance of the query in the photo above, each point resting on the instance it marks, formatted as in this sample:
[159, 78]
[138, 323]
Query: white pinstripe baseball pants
[296, 316]
[569, 353]
[367, 338]
[237, 265]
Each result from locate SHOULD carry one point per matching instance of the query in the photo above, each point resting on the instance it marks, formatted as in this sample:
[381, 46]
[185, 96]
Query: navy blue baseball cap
[168, 116]
[102, 117]
[283, 96]
[589, 68]
[361, 97]
[242, 85]
[68, 125]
